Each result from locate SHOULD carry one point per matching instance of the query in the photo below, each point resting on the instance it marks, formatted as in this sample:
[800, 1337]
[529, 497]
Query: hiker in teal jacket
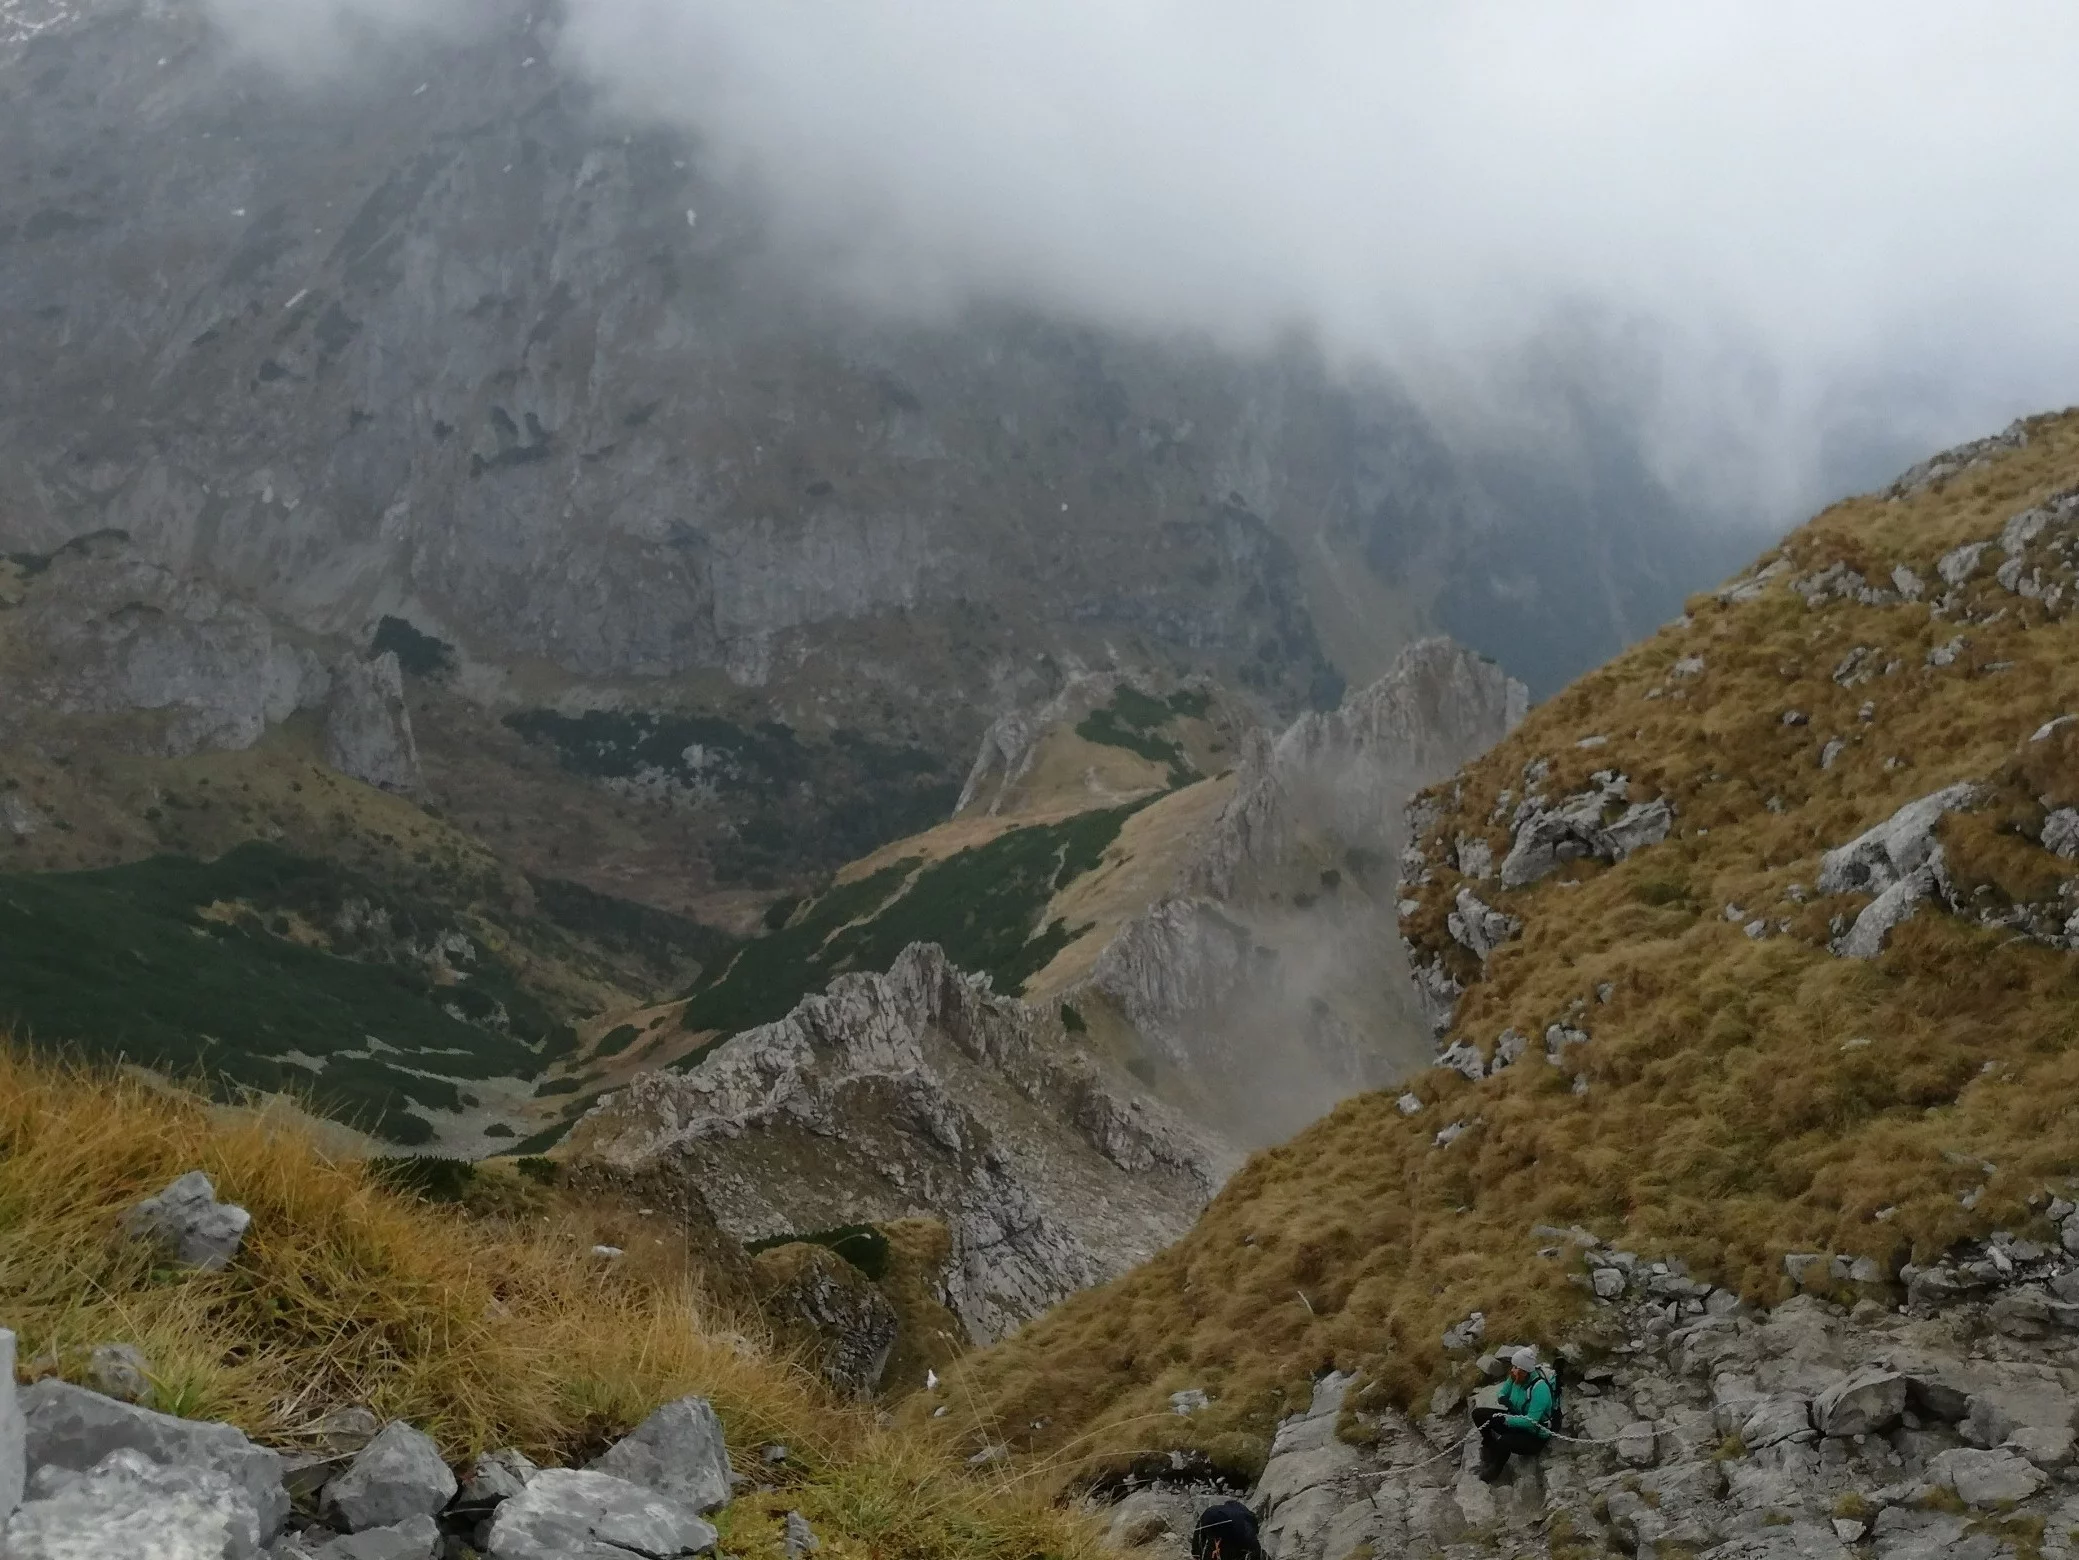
[1523, 1423]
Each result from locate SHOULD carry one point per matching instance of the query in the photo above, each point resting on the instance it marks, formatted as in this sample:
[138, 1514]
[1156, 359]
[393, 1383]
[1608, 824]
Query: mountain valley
[648, 894]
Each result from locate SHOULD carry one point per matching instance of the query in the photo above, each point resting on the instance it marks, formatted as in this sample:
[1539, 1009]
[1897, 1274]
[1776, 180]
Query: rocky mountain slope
[1265, 981]
[1707, 1426]
[445, 358]
[911, 1089]
[1751, 957]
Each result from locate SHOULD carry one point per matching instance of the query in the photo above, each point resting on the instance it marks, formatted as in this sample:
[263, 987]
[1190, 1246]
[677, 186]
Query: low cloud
[1804, 236]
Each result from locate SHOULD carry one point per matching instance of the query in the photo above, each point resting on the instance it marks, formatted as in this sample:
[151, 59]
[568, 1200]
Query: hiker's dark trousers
[1498, 1442]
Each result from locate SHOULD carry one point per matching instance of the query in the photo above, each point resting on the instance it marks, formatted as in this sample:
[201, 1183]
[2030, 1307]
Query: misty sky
[1800, 222]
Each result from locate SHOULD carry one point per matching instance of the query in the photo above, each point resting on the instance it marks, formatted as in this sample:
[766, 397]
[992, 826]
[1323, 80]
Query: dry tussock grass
[1742, 1098]
[482, 1332]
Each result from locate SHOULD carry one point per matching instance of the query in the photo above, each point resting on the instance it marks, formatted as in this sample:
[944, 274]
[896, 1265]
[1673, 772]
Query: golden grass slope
[483, 1332]
[1740, 1098]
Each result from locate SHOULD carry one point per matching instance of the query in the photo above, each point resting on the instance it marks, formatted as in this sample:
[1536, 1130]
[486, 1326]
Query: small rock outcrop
[678, 1451]
[368, 734]
[187, 1220]
[1544, 836]
[1901, 862]
[830, 1311]
[1948, 463]
[575, 1514]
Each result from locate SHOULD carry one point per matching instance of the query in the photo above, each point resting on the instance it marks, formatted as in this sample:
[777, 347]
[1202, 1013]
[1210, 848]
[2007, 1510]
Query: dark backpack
[1226, 1531]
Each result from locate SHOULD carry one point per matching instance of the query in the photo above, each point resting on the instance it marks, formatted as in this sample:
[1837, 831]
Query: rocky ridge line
[922, 1092]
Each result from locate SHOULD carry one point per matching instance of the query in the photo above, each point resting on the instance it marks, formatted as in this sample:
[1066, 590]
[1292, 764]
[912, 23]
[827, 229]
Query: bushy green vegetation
[615, 1041]
[196, 969]
[982, 905]
[804, 802]
[770, 974]
[420, 654]
[1134, 721]
[670, 945]
[865, 1247]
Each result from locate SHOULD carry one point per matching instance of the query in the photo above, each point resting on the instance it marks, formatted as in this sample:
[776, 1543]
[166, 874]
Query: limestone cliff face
[921, 1093]
[98, 631]
[445, 340]
[1348, 772]
[1272, 971]
[449, 344]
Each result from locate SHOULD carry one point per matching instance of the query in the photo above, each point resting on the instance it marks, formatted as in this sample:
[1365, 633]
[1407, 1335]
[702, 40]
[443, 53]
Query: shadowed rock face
[831, 1312]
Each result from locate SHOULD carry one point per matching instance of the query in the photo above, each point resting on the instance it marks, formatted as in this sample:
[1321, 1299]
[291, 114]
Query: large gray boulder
[1899, 861]
[398, 1475]
[1544, 838]
[186, 1218]
[368, 734]
[128, 1507]
[72, 1429]
[13, 1453]
[1895, 849]
[678, 1451]
[1995, 1478]
[415, 1538]
[582, 1514]
[1868, 1401]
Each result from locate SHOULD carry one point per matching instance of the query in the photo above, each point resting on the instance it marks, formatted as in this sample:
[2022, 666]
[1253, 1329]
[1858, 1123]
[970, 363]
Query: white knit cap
[1525, 1358]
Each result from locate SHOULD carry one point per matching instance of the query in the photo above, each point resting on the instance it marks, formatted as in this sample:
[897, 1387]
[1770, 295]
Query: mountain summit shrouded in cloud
[1788, 236]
